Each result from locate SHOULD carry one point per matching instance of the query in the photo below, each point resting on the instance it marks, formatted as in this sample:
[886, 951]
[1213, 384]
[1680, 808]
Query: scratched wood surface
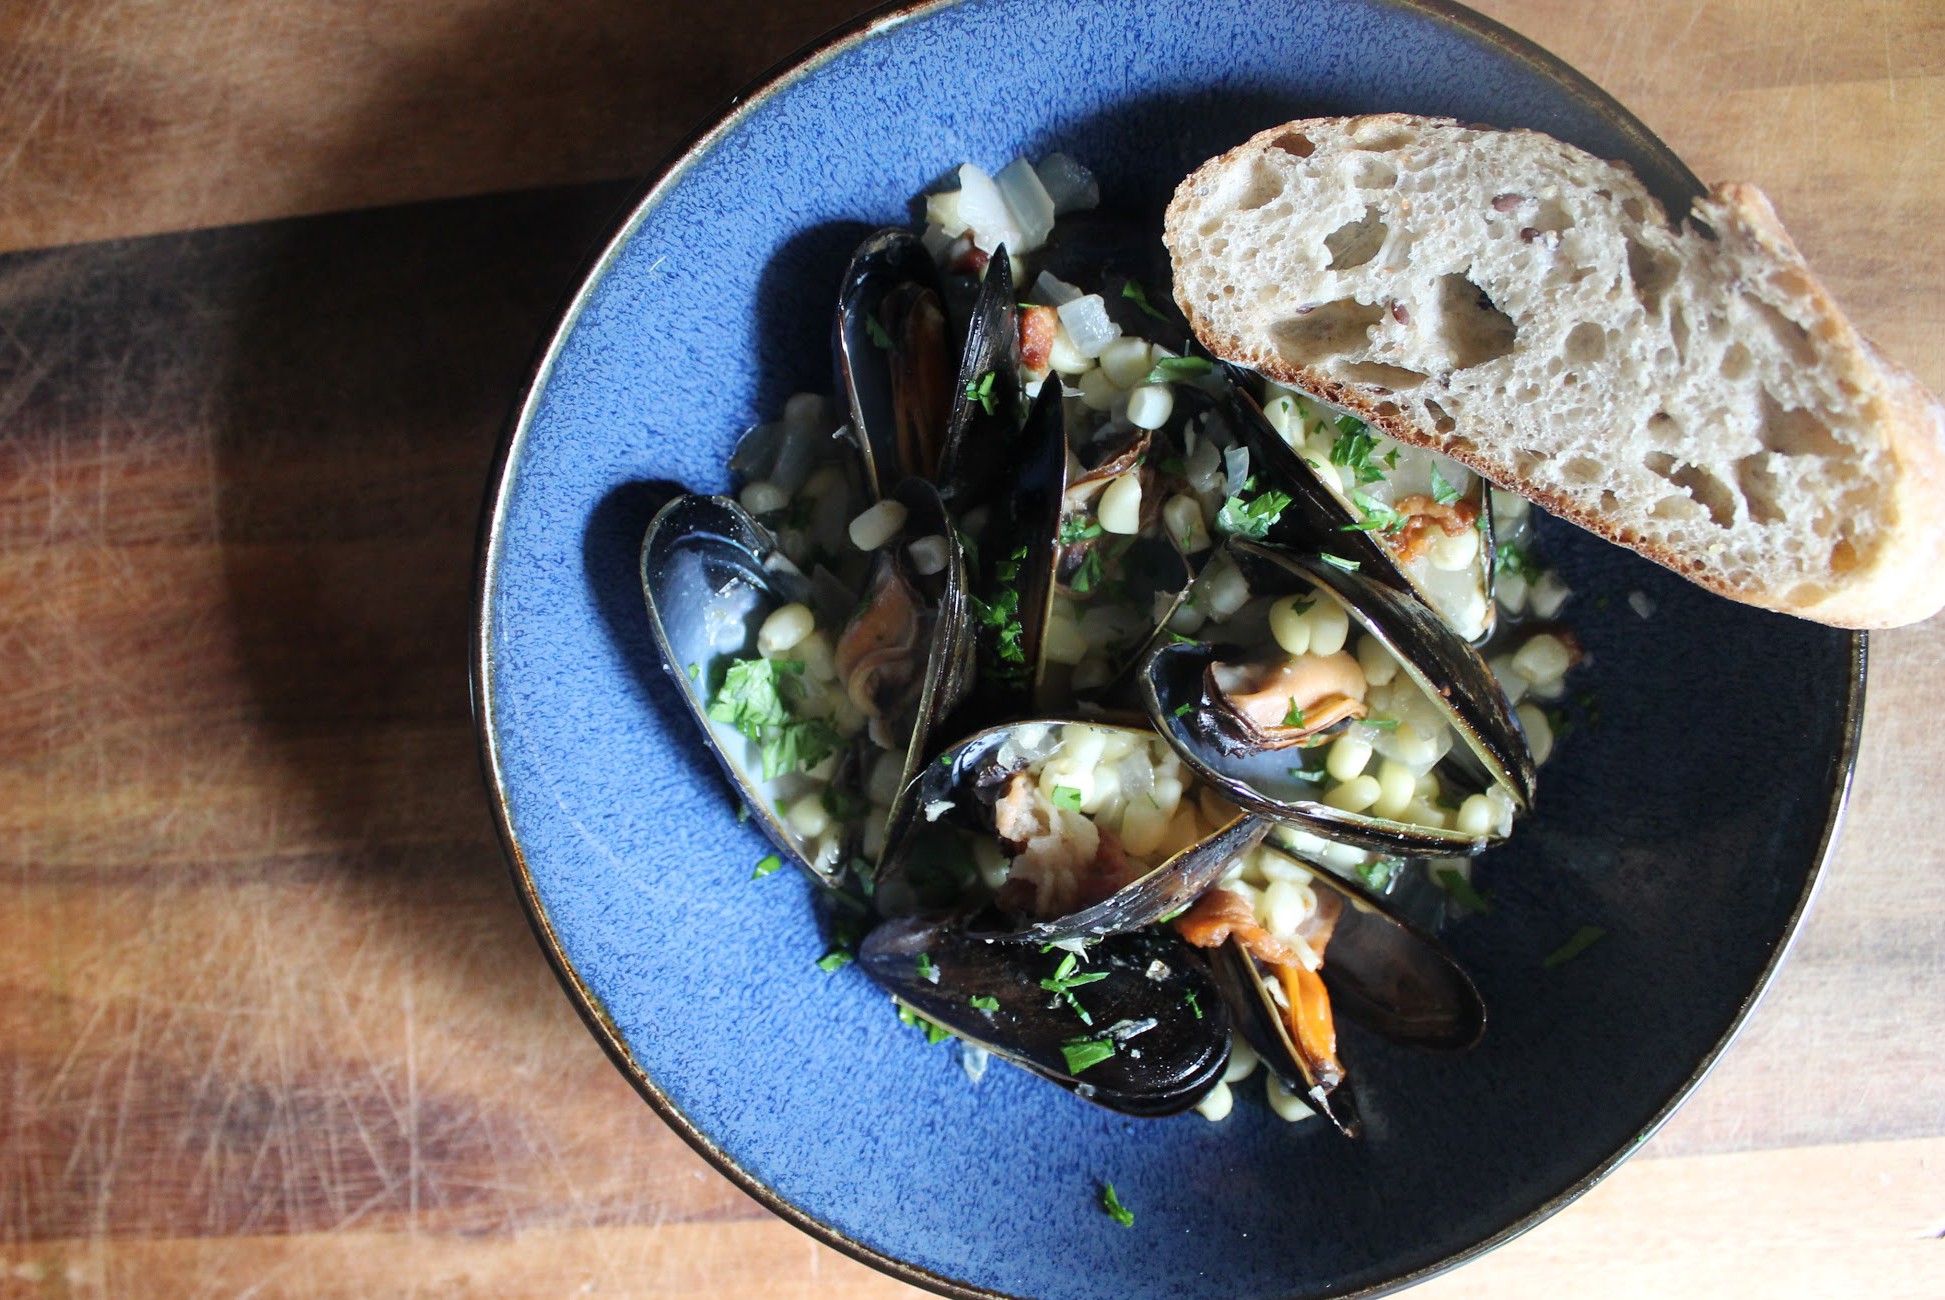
[270, 1020]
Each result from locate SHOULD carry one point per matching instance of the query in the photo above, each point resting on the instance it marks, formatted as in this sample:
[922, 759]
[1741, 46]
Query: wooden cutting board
[270, 1019]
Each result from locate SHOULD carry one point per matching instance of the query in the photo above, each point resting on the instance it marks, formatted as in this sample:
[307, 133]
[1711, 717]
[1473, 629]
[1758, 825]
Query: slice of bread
[1527, 309]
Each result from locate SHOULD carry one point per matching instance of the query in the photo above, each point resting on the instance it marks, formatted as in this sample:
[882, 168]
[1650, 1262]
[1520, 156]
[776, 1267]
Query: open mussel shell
[1446, 668]
[1323, 518]
[954, 795]
[710, 576]
[890, 341]
[977, 464]
[1157, 1008]
[1012, 569]
[949, 660]
[1381, 972]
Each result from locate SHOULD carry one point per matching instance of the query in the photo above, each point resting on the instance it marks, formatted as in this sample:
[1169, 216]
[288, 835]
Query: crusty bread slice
[1526, 308]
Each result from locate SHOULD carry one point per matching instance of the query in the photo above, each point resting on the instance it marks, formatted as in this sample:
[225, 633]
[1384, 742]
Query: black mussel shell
[1449, 670]
[949, 665]
[1321, 520]
[1157, 1008]
[893, 370]
[954, 795]
[982, 432]
[710, 576]
[1260, 1021]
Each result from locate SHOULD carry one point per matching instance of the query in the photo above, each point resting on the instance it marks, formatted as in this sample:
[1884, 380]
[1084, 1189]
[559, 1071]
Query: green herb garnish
[1134, 293]
[1194, 1005]
[1584, 938]
[1078, 528]
[1382, 724]
[1352, 449]
[1066, 796]
[1462, 890]
[695, 672]
[1084, 578]
[1085, 1053]
[766, 864]
[1376, 516]
[1065, 981]
[1172, 368]
[1378, 875]
[1513, 560]
[1181, 710]
[1338, 561]
[1252, 518]
[834, 960]
[1442, 492]
[981, 390]
[1120, 1213]
[756, 697]
[933, 1033]
[981, 1002]
[877, 332]
[1294, 718]
[926, 970]
[1315, 776]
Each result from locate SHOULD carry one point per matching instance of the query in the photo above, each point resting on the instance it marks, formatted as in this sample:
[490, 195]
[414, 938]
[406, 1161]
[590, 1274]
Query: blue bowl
[1689, 823]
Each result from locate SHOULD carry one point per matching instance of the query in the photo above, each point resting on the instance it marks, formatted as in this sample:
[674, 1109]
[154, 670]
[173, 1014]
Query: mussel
[1078, 828]
[1421, 524]
[1248, 712]
[890, 340]
[1299, 946]
[1138, 1026]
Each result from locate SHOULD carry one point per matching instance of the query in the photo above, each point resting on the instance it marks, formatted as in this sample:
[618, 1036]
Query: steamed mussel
[1113, 688]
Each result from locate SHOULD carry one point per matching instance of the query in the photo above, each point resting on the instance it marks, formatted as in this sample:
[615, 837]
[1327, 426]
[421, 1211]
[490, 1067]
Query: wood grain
[270, 1019]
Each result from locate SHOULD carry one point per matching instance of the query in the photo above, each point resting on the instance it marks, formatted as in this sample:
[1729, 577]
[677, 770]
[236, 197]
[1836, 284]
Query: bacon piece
[1037, 327]
[1423, 516]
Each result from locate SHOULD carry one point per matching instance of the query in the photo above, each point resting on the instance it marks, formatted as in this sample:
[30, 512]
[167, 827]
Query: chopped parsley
[1377, 517]
[981, 390]
[1134, 293]
[765, 865]
[1085, 1053]
[933, 1033]
[1462, 890]
[742, 813]
[1085, 578]
[1377, 876]
[1194, 1005]
[1172, 368]
[1352, 449]
[876, 330]
[1065, 981]
[1254, 517]
[1382, 724]
[834, 960]
[1002, 615]
[926, 970]
[695, 672]
[1315, 776]
[1584, 938]
[1181, 710]
[1120, 1213]
[1078, 528]
[1338, 561]
[982, 1002]
[1442, 492]
[1066, 796]
[1511, 559]
[756, 698]
[1294, 718]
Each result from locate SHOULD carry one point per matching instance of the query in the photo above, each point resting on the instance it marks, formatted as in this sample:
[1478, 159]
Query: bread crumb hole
[1759, 488]
[1736, 362]
[1790, 336]
[1586, 342]
[1473, 330]
[1295, 143]
[1264, 184]
[1374, 175]
[1582, 471]
[1442, 422]
[1843, 556]
[1327, 330]
[1793, 431]
[1634, 209]
[1356, 242]
[1650, 272]
[1379, 375]
[1711, 492]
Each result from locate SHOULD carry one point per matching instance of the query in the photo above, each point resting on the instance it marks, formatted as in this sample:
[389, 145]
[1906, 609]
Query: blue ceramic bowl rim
[740, 106]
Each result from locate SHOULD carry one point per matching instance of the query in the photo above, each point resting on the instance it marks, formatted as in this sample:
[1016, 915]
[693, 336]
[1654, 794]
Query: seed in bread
[1520, 305]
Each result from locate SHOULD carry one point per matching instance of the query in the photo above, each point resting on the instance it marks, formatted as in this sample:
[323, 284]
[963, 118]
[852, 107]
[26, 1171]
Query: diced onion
[1052, 291]
[1027, 199]
[928, 554]
[877, 525]
[1071, 186]
[984, 211]
[1539, 731]
[1089, 324]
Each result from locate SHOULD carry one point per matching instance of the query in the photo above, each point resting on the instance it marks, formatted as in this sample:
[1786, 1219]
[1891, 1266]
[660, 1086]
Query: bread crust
[1900, 580]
